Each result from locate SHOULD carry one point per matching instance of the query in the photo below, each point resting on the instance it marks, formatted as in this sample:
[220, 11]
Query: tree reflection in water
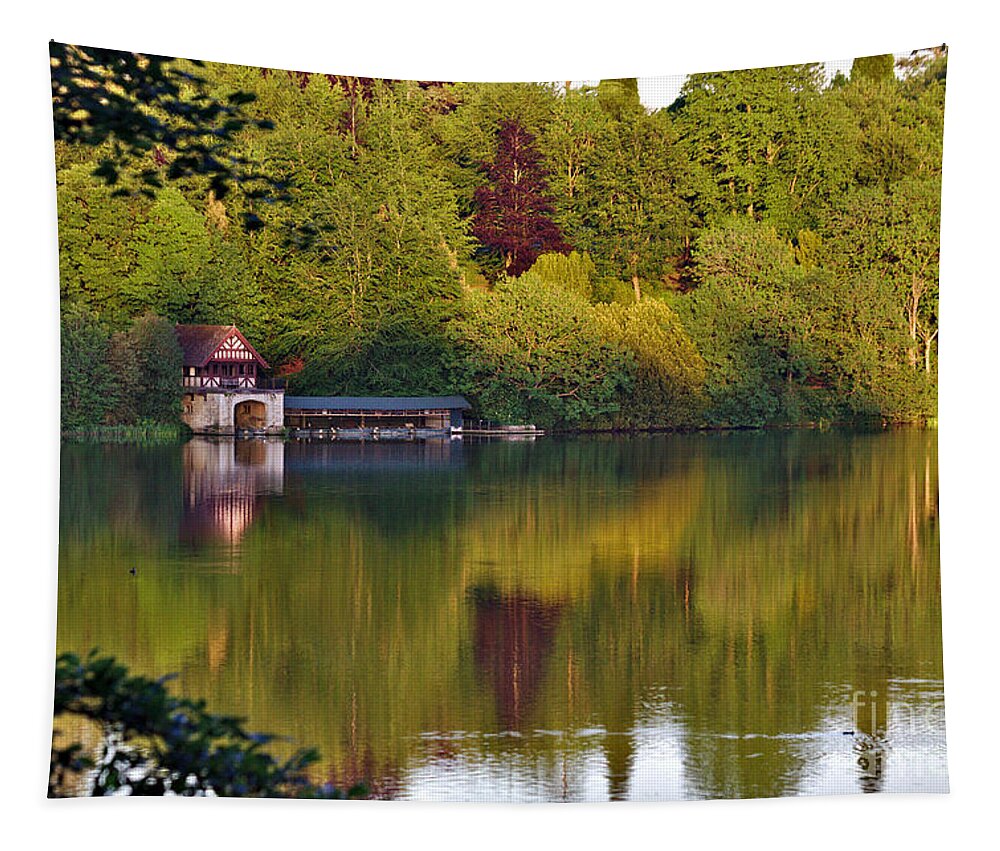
[649, 617]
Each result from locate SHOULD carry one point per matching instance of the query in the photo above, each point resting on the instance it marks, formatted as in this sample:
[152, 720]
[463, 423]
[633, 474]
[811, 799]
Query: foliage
[161, 363]
[533, 352]
[96, 248]
[153, 743]
[148, 114]
[573, 271]
[632, 216]
[669, 373]
[790, 224]
[757, 316]
[87, 379]
[619, 97]
[513, 213]
[121, 379]
[878, 68]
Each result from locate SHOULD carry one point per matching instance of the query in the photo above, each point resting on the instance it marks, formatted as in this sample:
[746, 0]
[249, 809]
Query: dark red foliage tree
[513, 212]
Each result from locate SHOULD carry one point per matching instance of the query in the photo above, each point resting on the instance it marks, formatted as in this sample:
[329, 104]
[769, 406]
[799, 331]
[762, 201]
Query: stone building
[224, 391]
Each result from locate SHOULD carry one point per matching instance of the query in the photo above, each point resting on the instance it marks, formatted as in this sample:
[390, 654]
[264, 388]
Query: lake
[654, 617]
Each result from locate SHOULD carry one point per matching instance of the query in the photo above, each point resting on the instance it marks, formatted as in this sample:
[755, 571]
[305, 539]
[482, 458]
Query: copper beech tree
[513, 216]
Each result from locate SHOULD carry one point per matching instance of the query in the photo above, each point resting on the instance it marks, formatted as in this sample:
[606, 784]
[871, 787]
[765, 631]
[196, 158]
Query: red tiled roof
[199, 342]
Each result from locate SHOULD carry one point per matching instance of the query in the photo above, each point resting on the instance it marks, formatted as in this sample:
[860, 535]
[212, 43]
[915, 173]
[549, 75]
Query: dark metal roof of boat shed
[375, 403]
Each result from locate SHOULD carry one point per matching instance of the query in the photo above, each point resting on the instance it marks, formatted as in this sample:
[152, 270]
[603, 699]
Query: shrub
[153, 743]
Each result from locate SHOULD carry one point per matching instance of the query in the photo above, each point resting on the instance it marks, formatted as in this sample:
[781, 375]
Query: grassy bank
[139, 433]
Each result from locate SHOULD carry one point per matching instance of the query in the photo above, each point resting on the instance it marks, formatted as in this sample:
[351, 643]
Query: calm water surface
[647, 618]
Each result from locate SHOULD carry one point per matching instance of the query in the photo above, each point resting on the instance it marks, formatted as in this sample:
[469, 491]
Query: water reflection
[224, 481]
[513, 642]
[660, 617]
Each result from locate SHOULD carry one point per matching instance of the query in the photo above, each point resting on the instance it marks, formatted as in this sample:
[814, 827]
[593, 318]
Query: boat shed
[223, 390]
[364, 412]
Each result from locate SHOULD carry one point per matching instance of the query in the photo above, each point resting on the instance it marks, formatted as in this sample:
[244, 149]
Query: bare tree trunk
[928, 345]
[635, 288]
[912, 309]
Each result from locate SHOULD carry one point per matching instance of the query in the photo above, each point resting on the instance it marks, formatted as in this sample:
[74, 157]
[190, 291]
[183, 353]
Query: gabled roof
[375, 403]
[200, 342]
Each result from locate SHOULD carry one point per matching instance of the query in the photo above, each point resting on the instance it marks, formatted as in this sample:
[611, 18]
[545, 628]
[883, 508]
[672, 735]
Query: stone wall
[211, 411]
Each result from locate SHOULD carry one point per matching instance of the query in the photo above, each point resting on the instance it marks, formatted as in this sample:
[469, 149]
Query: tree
[574, 272]
[669, 373]
[373, 260]
[746, 137]
[757, 318]
[635, 221]
[896, 235]
[619, 97]
[879, 68]
[97, 251]
[572, 145]
[161, 364]
[533, 352]
[87, 381]
[124, 361]
[188, 265]
[148, 114]
[514, 212]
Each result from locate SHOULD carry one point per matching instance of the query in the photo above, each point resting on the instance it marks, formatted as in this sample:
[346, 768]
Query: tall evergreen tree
[514, 211]
[87, 381]
[161, 364]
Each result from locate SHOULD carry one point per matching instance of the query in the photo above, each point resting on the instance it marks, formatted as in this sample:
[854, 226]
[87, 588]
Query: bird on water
[133, 571]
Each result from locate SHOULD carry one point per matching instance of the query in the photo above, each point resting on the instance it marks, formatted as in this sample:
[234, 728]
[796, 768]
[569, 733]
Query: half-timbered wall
[231, 365]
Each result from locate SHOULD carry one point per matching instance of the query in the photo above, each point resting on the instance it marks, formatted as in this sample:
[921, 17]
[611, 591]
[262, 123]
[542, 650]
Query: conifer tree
[514, 213]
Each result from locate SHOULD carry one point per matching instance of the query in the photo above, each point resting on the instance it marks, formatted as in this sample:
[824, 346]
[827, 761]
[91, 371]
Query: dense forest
[763, 251]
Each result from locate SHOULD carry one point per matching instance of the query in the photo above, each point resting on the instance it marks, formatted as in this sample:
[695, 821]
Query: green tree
[161, 363]
[669, 373]
[619, 97]
[896, 235]
[87, 386]
[533, 352]
[759, 141]
[879, 68]
[124, 361]
[573, 271]
[756, 318]
[96, 250]
[375, 252]
[632, 218]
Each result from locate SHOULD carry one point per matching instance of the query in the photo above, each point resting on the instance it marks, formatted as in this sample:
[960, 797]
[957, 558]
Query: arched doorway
[250, 415]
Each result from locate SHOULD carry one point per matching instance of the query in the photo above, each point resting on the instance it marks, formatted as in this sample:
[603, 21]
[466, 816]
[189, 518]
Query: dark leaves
[154, 743]
[514, 213]
[143, 103]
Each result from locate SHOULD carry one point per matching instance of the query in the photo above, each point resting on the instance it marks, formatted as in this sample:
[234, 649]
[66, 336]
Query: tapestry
[499, 442]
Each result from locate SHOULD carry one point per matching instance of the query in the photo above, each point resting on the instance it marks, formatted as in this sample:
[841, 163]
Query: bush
[669, 373]
[532, 351]
[153, 743]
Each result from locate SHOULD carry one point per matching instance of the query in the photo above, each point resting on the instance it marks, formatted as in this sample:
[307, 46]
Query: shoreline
[166, 434]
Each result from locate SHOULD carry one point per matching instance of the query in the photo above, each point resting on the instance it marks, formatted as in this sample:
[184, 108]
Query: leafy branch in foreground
[152, 110]
[153, 743]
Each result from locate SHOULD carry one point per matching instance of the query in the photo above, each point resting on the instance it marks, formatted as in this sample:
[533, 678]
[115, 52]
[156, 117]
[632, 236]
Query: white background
[506, 39]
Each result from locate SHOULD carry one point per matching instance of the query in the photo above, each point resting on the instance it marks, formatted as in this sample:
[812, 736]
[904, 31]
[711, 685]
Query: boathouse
[223, 388]
[413, 413]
